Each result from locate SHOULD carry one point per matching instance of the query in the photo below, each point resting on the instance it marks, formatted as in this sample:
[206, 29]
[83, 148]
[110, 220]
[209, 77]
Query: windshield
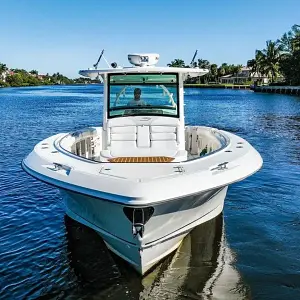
[143, 94]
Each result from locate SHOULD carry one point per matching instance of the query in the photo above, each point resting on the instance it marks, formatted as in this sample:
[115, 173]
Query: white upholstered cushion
[123, 137]
[158, 129]
[143, 137]
[123, 129]
[163, 136]
[167, 148]
[122, 148]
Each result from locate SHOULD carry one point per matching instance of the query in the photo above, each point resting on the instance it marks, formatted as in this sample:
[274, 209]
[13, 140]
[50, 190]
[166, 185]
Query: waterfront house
[245, 75]
[4, 74]
[41, 76]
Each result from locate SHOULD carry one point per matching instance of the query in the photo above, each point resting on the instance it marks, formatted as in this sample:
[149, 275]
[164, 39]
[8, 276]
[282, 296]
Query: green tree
[260, 63]
[267, 61]
[3, 67]
[270, 59]
[34, 72]
[221, 71]
[290, 58]
[15, 80]
[179, 63]
[203, 64]
[214, 71]
[19, 71]
[236, 70]
[252, 64]
[288, 41]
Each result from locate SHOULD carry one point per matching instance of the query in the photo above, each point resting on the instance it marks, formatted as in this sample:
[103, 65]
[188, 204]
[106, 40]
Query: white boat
[144, 180]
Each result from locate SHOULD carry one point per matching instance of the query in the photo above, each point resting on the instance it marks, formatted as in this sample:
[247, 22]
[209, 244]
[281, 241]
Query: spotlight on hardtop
[114, 65]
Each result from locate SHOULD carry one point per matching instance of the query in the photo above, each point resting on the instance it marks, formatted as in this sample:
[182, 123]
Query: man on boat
[137, 98]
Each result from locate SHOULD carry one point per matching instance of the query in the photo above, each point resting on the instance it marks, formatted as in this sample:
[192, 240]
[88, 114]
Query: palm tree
[3, 67]
[269, 59]
[221, 71]
[179, 63]
[296, 39]
[290, 56]
[204, 64]
[255, 66]
[236, 70]
[288, 42]
[214, 71]
[251, 64]
[260, 63]
[226, 69]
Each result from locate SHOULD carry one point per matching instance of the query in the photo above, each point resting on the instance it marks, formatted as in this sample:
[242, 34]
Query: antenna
[191, 64]
[96, 64]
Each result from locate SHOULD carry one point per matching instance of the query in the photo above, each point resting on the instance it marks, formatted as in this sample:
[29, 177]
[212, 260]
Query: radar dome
[142, 60]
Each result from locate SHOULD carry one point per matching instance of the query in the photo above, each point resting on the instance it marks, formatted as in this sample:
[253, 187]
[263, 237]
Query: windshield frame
[109, 84]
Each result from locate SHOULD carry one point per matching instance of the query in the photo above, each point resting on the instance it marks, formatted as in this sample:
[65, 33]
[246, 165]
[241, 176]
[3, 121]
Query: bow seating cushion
[128, 138]
[164, 129]
[123, 129]
[123, 137]
[163, 136]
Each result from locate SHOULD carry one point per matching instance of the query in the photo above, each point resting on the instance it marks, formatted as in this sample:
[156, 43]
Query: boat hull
[163, 232]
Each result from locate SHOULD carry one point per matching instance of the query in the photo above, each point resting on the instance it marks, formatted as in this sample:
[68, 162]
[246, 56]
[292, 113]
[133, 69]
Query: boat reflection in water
[201, 268]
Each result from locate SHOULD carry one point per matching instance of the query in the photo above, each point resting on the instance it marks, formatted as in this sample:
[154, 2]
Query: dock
[217, 86]
[288, 90]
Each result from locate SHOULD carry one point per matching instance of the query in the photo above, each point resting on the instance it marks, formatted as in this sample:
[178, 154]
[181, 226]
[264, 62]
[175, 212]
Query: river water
[251, 251]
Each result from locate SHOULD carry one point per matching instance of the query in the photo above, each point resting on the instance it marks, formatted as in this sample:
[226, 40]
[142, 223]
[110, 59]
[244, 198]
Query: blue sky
[65, 36]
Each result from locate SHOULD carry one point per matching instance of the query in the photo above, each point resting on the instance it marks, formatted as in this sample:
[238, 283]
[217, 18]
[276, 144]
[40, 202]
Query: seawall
[288, 90]
[217, 86]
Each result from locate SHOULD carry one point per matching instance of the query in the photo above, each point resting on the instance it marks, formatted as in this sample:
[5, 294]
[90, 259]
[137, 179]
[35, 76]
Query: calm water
[252, 251]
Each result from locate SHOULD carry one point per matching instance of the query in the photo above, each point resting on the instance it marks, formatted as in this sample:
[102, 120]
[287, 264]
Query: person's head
[137, 94]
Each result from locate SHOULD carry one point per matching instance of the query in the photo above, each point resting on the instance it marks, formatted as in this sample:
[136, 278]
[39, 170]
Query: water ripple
[46, 255]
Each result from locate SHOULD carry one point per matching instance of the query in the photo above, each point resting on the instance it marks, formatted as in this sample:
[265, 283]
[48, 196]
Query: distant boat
[144, 180]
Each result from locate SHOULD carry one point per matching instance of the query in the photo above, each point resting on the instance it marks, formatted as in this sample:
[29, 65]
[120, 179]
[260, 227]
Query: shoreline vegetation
[23, 78]
[279, 60]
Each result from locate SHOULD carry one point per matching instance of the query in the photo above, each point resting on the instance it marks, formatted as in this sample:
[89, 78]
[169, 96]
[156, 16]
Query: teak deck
[142, 159]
